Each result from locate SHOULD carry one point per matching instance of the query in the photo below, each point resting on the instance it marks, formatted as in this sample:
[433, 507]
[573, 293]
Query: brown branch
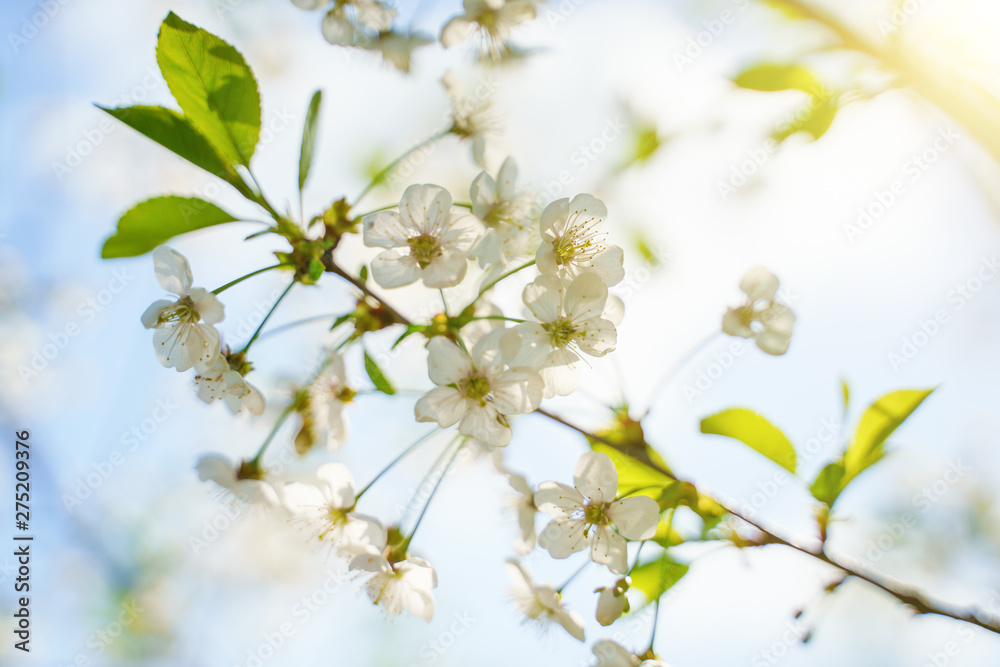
[906, 594]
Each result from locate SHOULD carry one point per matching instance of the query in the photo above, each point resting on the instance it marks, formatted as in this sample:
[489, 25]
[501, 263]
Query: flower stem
[381, 175]
[422, 439]
[904, 593]
[255, 461]
[638, 552]
[498, 317]
[296, 323]
[375, 210]
[220, 290]
[256, 334]
[574, 575]
[483, 290]
[652, 635]
[678, 367]
[437, 485]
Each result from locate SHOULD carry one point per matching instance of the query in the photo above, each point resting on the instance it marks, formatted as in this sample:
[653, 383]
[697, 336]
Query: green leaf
[155, 221]
[309, 138]
[754, 431]
[633, 475]
[363, 273]
[829, 483]
[377, 377]
[877, 423]
[175, 133]
[657, 576]
[213, 86]
[868, 446]
[410, 329]
[771, 77]
[846, 392]
[816, 122]
[340, 320]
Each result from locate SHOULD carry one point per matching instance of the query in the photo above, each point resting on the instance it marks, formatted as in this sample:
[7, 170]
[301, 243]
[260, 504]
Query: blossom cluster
[368, 24]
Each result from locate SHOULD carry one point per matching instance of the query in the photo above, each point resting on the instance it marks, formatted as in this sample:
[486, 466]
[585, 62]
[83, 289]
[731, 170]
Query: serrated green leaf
[309, 138]
[155, 221]
[213, 86]
[175, 133]
[877, 423]
[657, 576]
[769, 77]
[377, 377]
[754, 431]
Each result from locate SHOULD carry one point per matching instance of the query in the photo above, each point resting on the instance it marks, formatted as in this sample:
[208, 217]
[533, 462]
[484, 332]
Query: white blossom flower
[221, 381]
[572, 241]
[243, 481]
[761, 317]
[323, 418]
[612, 602]
[184, 336]
[472, 117]
[541, 603]
[589, 515]
[476, 391]
[506, 213]
[352, 22]
[570, 323]
[493, 21]
[329, 511]
[396, 47]
[403, 585]
[437, 239]
[611, 654]
[524, 504]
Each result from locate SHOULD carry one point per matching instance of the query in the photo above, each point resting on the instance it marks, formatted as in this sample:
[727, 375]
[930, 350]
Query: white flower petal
[517, 391]
[447, 363]
[559, 500]
[635, 517]
[609, 548]
[544, 297]
[392, 269]
[759, 284]
[339, 484]
[444, 405]
[172, 270]
[385, 229]
[595, 477]
[563, 538]
[586, 297]
[151, 317]
[480, 422]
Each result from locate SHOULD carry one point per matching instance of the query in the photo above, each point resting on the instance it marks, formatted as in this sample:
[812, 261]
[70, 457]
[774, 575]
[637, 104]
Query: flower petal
[557, 499]
[447, 363]
[481, 423]
[444, 405]
[563, 538]
[172, 270]
[544, 297]
[339, 484]
[385, 229]
[595, 477]
[586, 297]
[517, 391]
[425, 208]
[635, 517]
[759, 284]
[609, 548]
[392, 269]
